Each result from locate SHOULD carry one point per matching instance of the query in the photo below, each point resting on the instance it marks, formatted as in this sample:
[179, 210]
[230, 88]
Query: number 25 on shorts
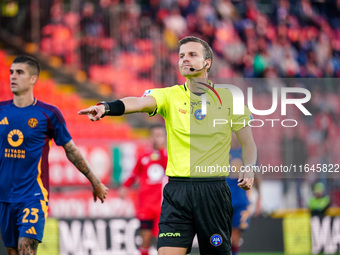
[34, 212]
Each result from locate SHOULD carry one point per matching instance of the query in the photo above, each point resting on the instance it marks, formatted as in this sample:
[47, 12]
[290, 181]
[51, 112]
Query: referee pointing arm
[197, 199]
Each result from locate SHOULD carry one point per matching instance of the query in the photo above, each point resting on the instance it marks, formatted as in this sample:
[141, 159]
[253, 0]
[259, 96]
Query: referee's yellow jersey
[198, 145]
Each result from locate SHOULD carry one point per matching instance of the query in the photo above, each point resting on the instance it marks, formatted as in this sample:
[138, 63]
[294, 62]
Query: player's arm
[123, 190]
[119, 107]
[249, 155]
[77, 159]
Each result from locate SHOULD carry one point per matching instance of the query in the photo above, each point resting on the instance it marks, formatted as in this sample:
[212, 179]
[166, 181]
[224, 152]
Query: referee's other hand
[94, 112]
[245, 180]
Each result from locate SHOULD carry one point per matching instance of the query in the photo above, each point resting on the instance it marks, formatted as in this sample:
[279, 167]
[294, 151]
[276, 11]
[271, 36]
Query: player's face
[191, 55]
[158, 137]
[21, 79]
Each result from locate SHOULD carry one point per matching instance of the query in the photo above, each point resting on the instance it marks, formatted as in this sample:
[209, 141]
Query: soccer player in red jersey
[150, 173]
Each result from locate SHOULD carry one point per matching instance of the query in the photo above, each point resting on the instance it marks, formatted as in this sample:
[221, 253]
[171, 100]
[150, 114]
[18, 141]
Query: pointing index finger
[84, 111]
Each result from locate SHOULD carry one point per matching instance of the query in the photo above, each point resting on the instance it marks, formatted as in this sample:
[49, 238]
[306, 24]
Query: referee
[197, 199]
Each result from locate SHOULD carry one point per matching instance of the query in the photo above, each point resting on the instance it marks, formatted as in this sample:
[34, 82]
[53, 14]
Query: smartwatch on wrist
[107, 108]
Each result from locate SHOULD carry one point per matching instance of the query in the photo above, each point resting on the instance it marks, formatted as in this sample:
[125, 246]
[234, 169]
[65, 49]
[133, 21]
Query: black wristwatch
[107, 108]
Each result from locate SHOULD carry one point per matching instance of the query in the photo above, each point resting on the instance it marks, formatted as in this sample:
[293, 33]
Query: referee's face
[191, 55]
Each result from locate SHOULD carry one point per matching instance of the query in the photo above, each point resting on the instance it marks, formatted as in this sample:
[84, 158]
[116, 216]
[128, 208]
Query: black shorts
[199, 206]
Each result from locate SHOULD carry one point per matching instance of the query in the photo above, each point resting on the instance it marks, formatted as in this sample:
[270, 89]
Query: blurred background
[106, 49]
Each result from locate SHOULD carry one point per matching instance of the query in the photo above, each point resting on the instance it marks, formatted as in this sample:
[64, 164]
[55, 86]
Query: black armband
[115, 108]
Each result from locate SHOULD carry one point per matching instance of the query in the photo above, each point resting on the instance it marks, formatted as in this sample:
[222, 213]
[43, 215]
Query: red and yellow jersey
[25, 140]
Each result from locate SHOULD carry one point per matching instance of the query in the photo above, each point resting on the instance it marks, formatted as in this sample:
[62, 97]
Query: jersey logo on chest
[4, 121]
[32, 122]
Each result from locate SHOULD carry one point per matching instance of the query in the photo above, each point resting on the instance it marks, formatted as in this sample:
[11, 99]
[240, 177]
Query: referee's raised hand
[94, 112]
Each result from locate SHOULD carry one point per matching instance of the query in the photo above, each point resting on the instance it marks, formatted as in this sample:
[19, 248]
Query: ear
[208, 63]
[34, 79]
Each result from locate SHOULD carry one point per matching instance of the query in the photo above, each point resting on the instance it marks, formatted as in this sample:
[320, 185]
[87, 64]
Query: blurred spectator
[282, 11]
[176, 25]
[227, 10]
[187, 7]
[326, 128]
[58, 37]
[319, 202]
[9, 12]
[234, 51]
[294, 152]
[92, 31]
[300, 40]
[289, 66]
[261, 59]
[306, 14]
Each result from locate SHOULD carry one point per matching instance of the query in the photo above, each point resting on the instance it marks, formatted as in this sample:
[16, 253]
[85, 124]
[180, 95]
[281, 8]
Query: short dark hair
[208, 53]
[30, 61]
